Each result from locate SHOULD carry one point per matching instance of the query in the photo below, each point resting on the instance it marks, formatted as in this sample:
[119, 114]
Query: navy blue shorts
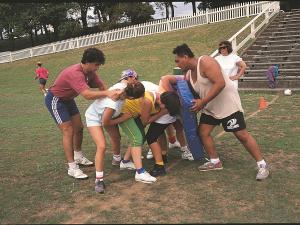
[42, 81]
[60, 110]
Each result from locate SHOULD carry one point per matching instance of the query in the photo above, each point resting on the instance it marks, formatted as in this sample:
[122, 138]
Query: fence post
[233, 42]
[105, 37]
[10, 57]
[53, 47]
[252, 30]
[247, 10]
[169, 25]
[134, 31]
[31, 54]
[206, 14]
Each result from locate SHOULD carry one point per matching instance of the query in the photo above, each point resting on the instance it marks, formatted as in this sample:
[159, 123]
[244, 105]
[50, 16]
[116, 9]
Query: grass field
[35, 188]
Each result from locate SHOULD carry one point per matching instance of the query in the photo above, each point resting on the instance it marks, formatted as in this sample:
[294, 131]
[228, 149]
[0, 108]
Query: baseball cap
[128, 73]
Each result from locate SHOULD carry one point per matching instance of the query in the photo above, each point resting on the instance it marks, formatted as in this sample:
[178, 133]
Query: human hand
[115, 94]
[197, 106]
[235, 77]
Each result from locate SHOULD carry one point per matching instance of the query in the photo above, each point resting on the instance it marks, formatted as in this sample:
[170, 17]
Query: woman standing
[232, 65]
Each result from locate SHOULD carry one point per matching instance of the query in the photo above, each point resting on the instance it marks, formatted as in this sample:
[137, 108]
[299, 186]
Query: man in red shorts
[76, 80]
[41, 74]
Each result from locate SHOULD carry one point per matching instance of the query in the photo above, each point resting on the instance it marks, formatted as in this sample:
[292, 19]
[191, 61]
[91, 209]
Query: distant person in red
[76, 80]
[41, 74]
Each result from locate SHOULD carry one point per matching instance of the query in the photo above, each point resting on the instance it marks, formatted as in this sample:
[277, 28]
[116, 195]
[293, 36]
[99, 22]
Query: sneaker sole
[79, 178]
[203, 170]
[143, 181]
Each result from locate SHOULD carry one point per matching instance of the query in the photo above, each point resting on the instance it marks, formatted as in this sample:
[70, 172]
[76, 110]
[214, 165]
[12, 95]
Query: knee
[67, 130]
[101, 148]
[79, 130]
[243, 136]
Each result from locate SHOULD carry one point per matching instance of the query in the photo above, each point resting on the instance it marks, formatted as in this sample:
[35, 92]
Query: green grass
[34, 185]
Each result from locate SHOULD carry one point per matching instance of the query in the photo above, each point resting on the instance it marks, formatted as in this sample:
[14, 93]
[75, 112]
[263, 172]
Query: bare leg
[249, 143]
[78, 132]
[180, 133]
[98, 137]
[162, 141]
[67, 132]
[136, 153]
[115, 137]
[207, 140]
[156, 150]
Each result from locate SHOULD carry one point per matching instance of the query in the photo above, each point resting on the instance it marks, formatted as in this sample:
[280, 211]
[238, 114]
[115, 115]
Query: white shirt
[94, 112]
[229, 66]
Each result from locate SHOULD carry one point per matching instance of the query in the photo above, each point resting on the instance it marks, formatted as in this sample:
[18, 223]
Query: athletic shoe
[144, 177]
[99, 186]
[165, 158]
[77, 173]
[115, 162]
[187, 155]
[158, 170]
[149, 154]
[211, 166]
[128, 166]
[176, 144]
[83, 161]
[263, 172]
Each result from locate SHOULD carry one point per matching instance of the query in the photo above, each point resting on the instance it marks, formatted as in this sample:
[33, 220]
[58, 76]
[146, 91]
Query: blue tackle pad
[189, 120]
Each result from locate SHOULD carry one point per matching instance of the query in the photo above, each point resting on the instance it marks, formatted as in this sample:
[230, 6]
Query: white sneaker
[83, 161]
[176, 144]
[128, 166]
[263, 172]
[77, 173]
[149, 154]
[187, 155]
[144, 177]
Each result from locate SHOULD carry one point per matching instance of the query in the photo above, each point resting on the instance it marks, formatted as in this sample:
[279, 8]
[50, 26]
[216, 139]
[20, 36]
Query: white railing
[267, 12]
[154, 27]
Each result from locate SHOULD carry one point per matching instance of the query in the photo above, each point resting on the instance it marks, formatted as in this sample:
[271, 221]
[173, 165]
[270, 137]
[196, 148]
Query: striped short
[60, 110]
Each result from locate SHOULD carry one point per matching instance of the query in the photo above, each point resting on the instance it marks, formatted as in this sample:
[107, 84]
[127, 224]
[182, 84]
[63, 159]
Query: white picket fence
[165, 25]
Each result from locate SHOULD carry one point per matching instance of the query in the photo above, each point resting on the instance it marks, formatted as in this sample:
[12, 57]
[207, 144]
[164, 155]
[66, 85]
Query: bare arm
[211, 70]
[91, 95]
[166, 82]
[242, 67]
[107, 119]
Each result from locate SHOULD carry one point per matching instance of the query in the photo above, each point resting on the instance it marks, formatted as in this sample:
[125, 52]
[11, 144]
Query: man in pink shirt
[76, 80]
[41, 73]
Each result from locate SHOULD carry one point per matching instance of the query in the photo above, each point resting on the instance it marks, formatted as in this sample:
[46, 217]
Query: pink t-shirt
[41, 72]
[72, 81]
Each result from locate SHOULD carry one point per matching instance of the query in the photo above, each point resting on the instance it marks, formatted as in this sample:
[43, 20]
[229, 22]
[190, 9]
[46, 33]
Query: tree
[139, 12]
[166, 6]
[193, 5]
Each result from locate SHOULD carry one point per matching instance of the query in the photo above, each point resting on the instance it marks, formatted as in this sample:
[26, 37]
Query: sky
[180, 9]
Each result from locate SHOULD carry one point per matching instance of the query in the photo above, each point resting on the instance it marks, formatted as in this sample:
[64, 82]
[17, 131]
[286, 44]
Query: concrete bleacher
[278, 43]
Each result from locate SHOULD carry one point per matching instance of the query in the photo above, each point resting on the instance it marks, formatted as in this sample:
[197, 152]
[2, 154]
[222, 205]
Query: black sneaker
[158, 170]
[99, 186]
[165, 158]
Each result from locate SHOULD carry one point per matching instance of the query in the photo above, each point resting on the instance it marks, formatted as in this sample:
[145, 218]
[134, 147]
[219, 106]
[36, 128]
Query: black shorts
[232, 123]
[42, 81]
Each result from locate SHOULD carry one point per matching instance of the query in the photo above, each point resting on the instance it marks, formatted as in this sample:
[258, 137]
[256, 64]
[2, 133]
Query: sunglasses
[222, 47]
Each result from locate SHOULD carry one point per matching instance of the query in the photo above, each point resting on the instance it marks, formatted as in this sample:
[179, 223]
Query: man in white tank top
[220, 104]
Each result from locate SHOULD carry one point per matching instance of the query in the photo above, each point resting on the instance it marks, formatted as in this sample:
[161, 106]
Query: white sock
[72, 165]
[261, 163]
[78, 154]
[215, 161]
[99, 175]
[184, 148]
[117, 157]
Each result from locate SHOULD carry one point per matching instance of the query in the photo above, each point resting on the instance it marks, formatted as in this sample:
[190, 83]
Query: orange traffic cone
[262, 103]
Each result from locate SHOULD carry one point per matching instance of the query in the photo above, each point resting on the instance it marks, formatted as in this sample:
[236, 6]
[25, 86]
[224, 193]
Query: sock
[184, 148]
[215, 161]
[261, 163]
[160, 163]
[141, 170]
[78, 154]
[172, 139]
[125, 161]
[72, 165]
[99, 175]
[117, 157]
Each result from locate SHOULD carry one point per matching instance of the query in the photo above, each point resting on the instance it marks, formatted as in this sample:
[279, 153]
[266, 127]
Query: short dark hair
[182, 50]
[135, 90]
[171, 101]
[227, 44]
[93, 55]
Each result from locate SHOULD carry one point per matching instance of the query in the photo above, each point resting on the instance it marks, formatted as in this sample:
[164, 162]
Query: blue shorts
[60, 110]
[42, 81]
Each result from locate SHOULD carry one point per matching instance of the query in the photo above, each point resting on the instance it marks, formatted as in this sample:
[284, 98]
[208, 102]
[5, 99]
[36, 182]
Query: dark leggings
[154, 131]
